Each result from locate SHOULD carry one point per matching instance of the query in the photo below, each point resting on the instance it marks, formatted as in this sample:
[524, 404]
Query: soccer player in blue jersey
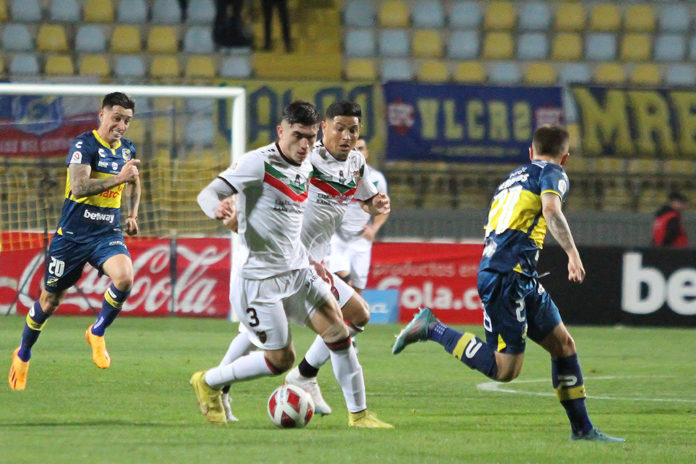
[515, 304]
[101, 167]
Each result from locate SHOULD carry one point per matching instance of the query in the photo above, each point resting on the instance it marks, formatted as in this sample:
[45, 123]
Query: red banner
[441, 276]
[202, 280]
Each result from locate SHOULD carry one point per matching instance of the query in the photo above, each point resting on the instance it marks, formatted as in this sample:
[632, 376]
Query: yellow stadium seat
[136, 131]
[52, 38]
[679, 166]
[126, 39]
[500, 15]
[566, 46]
[605, 17]
[540, 73]
[165, 66]
[469, 72]
[394, 13]
[426, 43]
[498, 46]
[59, 65]
[3, 11]
[98, 11]
[644, 166]
[433, 71]
[609, 73]
[200, 66]
[360, 69]
[646, 74]
[570, 17]
[162, 39]
[95, 65]
[2, 66]
[639, 18]
[635, 47]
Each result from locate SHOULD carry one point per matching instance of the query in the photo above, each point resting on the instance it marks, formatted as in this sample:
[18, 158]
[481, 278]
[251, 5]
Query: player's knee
[507, 374]
[336, 332]
[49, 302]
[280, 360]
[123, 281]
[357, 311]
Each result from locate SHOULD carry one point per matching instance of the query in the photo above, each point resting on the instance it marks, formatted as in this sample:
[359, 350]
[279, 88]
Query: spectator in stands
[282, 6]
[229, 29]
[668, 228]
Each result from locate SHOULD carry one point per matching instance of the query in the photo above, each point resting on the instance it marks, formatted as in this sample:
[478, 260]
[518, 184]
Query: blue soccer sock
[111, 306]
[467, 348]
[570, 390]
[34, 323]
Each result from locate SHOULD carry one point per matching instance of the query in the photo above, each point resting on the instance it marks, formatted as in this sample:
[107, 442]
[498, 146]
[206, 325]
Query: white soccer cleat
[226, 405]
[312, 386]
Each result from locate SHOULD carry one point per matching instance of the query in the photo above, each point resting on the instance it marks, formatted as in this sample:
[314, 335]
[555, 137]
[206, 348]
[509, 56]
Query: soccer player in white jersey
[275, 281]
[351, 245]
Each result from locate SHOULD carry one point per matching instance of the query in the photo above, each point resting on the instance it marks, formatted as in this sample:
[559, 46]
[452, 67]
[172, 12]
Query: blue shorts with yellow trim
[67, 258]
[516, 306]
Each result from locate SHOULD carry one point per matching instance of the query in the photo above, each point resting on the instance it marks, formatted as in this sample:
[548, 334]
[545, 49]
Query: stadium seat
[465, 15]
[394, 43]
[506, 72]
[200, 66]
[52, 38]
[360, 69]
[90, 39]
[463, 45]
[609, 73]
[98, 11]
[200, 12]
[166, 12]
[199, 132]
[16, 38]
[469, 72]
[534, 16]
[499, 15]
[605, 17]
[199, 39]
[575, 72]
[25, 11]
[674, 18]
[532, 46]
[360, 42]
[129, 66]
[24, 64]
[394, 13]
[566, 46]
[359, 13]
[600, 46]
[162, 39]
[3, 11]
[396, 69]
[132, 12]
[669, 47]
[204, 106]
[645, 74]
[679, 166]
[428, 14]
[540, 73]
[59, 65]
[126, 39]
[95, 65]
[570, 17]
[639, 18]
[433, 71]
[64, 11]
[164, 66]
[635, 47]
[498, 46]
[426, 43]
[238, 67]
[680, 74]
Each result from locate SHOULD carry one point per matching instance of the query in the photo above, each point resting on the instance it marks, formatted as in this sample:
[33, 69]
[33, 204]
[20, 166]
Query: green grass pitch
[641, 382]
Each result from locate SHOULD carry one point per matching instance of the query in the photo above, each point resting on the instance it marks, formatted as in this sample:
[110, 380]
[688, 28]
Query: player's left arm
[133, 194]
[559, 228]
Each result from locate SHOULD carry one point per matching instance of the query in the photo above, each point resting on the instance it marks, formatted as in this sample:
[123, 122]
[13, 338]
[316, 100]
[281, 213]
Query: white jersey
[334, 184]
[355, 219]
[271, 197]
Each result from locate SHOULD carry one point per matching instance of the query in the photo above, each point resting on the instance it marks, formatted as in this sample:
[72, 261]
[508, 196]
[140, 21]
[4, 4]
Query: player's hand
[132, 225]
[369, 233]
[226, 211]
[130, 171]
[576, 271]
[381, 203]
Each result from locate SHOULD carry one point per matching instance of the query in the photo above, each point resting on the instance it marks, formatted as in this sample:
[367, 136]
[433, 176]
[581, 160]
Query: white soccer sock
[239, 346]
[246, 367]
[318, 353]
[349, 375]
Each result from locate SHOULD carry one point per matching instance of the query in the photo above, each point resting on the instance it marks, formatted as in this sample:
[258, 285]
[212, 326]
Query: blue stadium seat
[534, 16]
[90, 38]
[428, 14]
[25, 64]
[16, 38]
[670, 47]
[505, 72]
[360, 42]
[200, 12]
[236, 66]
[129, 66]
[199, 39]
[396, 69]
[199, 131]
[465, 15]
[166, 12]
[132, 12]
[359, 13]
[25, 11]
[680, 74]
[674, 18]
[532, 46]
[600, 46]
[394, 43]
[575, 72]
[65, 11]
[692, 49]
[200, 105]
[463, 44]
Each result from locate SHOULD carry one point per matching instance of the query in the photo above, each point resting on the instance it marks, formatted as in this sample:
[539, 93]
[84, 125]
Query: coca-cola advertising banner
[200, 270]
[441, 276]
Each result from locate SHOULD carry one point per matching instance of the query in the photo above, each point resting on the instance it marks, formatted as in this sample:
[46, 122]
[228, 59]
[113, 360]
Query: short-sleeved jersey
[333, 186]
[83, 219]
[356, 218]
[516, 228]
[271, 198]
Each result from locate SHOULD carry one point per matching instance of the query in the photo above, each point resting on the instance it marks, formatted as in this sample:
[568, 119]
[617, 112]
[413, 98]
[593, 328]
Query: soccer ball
[290, 406]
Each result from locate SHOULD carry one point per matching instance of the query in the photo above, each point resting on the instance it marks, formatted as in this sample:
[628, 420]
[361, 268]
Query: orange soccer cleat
[99, 354]
[18, 372]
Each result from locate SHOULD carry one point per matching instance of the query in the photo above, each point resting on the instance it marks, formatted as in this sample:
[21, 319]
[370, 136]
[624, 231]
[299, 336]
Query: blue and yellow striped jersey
[85, 218]
[516, 228]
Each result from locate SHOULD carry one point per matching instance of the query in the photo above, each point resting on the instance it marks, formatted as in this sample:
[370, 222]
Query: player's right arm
[559, 228]
[82, 185]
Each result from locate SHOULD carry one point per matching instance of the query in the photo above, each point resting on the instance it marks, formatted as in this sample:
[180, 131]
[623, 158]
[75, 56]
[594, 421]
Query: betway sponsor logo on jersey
[296, 188]
[96, 216]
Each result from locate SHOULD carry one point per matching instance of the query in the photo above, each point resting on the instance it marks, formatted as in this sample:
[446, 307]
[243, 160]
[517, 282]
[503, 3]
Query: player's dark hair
[344, 108]
[551, 141]
[118, 99]
[301, 112]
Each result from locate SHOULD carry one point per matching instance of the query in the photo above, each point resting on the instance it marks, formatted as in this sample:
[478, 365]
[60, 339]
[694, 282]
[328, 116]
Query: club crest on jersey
[76, 157]
[126, 154]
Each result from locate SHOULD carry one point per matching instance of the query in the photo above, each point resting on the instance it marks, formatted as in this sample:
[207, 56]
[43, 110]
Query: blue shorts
[66, 259]
[515, 305]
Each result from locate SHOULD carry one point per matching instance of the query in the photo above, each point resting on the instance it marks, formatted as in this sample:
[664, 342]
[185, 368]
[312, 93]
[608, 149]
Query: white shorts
[265, 306]
[344, 292]
[353, 256]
